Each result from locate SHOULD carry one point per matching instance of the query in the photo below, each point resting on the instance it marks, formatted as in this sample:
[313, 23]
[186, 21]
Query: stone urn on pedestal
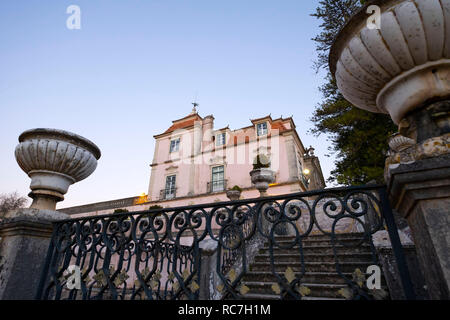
[54, 160]
[234, 193]
[261, 174]
[403, 68]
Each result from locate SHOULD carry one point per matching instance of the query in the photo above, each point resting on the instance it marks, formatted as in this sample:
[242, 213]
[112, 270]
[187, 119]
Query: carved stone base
[420, 192]
[25, 236]
[391, 273]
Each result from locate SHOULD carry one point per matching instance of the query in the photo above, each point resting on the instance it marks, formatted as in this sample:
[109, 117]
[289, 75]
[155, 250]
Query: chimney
[208, 128]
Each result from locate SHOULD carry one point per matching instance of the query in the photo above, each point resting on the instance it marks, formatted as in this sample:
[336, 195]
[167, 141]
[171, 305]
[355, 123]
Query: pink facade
[200, 154]
[195, 163]
[189, 161]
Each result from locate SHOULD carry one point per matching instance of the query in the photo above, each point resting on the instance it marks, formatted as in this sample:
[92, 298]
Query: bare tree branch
[11, 201]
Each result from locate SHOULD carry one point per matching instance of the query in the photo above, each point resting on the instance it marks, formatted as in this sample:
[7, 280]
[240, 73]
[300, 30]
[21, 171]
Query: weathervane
[194, 109]
[195, 103]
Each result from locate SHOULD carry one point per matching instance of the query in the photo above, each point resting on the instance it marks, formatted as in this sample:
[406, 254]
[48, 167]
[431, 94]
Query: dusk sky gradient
[136, 65]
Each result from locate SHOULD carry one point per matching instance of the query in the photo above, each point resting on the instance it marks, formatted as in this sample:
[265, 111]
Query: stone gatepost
[54, 159]
[209, 280]
[402, 67]
[25, 235]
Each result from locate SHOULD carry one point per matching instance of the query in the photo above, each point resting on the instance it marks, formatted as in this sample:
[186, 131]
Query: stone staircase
[320, 277]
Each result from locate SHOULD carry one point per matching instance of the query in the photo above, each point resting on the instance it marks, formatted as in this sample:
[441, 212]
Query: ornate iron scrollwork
[156, 254]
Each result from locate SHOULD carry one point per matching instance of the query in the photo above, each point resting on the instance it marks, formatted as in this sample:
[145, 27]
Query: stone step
[262, 296]
[259, 296]
[310, 277]
[317, 257]
[322, 298]
[318, 242]
[310, 266]
[323, 249]
[317, 290]
[324, 236]
[320, 275]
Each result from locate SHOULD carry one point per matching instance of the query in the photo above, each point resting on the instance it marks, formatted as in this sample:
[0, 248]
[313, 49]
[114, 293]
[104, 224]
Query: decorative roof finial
[194, 109]
[310, 151]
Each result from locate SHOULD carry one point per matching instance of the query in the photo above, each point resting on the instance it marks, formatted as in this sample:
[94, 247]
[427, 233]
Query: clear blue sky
[136, 65]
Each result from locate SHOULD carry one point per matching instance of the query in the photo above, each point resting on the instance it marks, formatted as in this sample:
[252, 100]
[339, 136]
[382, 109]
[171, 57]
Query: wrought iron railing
[216, 186]
[156, 254]
[230, 256]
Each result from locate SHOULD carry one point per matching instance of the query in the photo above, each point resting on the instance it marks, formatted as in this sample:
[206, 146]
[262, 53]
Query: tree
[358, 137]
[11, 201]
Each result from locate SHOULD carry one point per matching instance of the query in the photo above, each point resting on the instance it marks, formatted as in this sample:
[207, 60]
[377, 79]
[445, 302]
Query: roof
[278, 126]
[281, 124]
[269, 117]
[182, 123]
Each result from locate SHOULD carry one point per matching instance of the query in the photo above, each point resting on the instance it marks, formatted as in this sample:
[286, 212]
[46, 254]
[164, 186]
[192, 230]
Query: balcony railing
[167, 194]
[216, 186]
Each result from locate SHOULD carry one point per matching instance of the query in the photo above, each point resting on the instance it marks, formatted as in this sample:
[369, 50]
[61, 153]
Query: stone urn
[403, 69]
[261, 178]
[400, 67]
[54, 159]
[233, 195]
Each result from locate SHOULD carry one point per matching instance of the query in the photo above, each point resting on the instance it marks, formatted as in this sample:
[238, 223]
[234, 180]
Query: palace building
[195, 163]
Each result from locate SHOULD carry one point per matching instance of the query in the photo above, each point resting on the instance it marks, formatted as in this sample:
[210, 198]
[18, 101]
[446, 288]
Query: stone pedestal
[25, 237]
[388, 262]
[403, 68]
[420, 192]
[392, 275]
[209, 279]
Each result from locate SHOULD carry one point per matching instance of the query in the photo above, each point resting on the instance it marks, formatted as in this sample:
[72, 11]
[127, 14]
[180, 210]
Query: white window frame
[172, 187]
[219, 139]
[263, 133]
[212, 178]
[176, 145]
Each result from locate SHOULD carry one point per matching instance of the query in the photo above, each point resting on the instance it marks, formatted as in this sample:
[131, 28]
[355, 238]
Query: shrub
[236, 188]
[155, 207]
[121, 211]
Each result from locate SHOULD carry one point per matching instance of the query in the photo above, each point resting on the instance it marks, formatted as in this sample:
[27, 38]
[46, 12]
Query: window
[261, 129]
[169, 192]
[174, 145]
[220, 139]
[218, 182]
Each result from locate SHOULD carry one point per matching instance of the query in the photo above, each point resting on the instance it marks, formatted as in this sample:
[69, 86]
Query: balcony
[216, 186]
[167, 194]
